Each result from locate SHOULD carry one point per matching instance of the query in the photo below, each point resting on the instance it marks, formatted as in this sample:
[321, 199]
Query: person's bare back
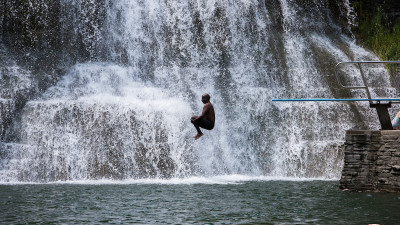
[208, 111]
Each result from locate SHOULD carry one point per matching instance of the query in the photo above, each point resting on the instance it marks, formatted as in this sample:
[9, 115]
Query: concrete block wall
[372, 161]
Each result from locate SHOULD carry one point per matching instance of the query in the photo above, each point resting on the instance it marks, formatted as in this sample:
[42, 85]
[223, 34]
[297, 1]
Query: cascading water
[124, 111]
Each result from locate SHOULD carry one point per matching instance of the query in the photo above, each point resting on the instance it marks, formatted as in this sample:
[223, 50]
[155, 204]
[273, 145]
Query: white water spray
[127, 117]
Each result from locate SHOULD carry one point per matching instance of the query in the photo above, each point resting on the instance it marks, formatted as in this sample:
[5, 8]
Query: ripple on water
[284, 202]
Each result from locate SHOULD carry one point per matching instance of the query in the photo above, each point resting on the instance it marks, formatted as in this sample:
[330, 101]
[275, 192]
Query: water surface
[191, 202]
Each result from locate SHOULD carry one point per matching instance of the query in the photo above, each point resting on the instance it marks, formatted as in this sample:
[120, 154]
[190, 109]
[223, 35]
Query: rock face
[151, 60]
[372, 161]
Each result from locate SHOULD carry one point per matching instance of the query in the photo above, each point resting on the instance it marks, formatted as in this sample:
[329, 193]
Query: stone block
[372, 157]
[375, 146]
[396, 167]
[381, 168]
[390, 137]
[364, 174]
[390, 132]
[357, 132]
[383, 180]
[394, 161]
[353, 166]
[353, 174]
[367, 164]
[349, 157]
[384, 153]
[393, 145]
[385, 158]
[361, 146]
[360, 138]
[385, 175]
[384, 147]
[396, 175]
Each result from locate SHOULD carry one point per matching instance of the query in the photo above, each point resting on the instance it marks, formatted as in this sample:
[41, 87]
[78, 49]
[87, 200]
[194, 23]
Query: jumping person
[207, 118]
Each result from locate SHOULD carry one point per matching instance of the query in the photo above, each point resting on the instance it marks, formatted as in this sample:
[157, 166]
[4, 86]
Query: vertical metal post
[365, 83]
[381, 109]
[383, 114]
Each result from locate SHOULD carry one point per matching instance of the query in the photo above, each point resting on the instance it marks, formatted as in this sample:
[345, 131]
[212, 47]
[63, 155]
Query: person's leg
[197, 126]
[206, 124]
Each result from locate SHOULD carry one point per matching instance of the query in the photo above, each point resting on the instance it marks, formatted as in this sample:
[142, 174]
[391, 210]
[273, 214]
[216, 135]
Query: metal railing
[381, 108]
[362, 75]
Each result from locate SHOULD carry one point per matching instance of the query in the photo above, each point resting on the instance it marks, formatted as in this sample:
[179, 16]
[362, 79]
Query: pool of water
[197, 201]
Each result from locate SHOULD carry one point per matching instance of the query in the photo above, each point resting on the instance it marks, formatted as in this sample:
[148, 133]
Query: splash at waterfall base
[372, 161]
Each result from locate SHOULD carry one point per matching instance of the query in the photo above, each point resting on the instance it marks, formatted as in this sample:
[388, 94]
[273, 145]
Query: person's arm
[204, 113]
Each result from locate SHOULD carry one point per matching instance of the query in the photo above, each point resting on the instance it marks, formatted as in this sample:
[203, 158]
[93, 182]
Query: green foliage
[378, 32]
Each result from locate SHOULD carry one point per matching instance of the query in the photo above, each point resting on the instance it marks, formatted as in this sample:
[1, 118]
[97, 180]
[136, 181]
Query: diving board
[337, 100]
[381, 108]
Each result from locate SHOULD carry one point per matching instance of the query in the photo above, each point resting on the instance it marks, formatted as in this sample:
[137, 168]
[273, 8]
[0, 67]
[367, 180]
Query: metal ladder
[381, 108]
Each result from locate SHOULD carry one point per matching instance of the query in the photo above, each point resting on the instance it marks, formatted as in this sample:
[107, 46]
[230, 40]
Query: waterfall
[122, 109]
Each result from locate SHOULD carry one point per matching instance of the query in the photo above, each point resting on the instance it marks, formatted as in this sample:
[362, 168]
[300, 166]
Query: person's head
[205, 98]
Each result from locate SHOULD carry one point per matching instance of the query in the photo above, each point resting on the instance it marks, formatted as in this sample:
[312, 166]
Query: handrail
[393, 100]
[381, 108]
[362, 75]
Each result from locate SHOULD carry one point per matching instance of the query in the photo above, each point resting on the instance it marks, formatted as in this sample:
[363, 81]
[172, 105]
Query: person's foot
[198, 136]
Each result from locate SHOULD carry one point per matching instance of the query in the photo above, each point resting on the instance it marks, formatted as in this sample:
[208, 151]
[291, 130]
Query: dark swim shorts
[206, 124]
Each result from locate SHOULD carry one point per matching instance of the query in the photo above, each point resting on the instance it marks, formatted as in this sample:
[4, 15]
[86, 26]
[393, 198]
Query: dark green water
[249, 202]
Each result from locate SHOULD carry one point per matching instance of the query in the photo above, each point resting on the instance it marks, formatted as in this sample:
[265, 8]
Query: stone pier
[372, 161]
